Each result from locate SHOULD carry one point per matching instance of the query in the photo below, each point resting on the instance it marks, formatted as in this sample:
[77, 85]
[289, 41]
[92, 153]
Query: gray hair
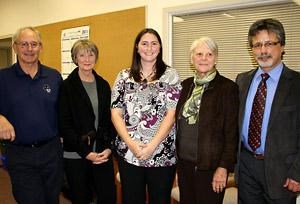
[209, 42]
[16, 36]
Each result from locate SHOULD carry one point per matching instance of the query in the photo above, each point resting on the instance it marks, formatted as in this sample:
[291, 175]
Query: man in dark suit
[269, 121]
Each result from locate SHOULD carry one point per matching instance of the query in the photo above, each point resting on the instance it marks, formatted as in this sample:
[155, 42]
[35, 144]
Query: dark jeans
[252, 184]
[36, 173]
[135, 181]
[86, 179]
[195, 185]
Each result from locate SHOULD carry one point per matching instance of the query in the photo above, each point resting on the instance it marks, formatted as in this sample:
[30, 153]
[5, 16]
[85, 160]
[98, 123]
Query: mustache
[264, 56]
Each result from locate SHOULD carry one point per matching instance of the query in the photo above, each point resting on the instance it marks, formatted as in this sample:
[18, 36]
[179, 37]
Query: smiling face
[203, 59]
[86, 60]
[267, 50]
[27, 47]
[148, 48]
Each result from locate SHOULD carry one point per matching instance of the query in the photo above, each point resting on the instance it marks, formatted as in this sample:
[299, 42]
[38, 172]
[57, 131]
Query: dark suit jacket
[282, 150]
[76, 115]
[218, 122]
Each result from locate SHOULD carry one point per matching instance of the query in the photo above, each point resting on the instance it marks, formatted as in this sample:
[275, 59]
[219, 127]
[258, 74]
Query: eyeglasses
[267, 44]
[25, 44]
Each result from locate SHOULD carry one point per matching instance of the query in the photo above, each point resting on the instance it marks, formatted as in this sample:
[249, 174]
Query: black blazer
[76, 115]
[282, 150]
[218, 123]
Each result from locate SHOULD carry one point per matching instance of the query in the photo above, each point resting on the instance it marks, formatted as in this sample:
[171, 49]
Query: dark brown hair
[136, 65]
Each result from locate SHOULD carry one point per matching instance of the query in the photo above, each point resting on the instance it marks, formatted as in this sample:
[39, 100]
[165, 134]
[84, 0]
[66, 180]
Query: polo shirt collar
[40, 73]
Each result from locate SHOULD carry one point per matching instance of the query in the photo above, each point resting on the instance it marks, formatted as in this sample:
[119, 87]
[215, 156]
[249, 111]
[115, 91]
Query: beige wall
[16, 13]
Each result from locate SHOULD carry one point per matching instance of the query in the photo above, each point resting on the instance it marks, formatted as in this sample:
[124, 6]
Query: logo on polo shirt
[47, 88]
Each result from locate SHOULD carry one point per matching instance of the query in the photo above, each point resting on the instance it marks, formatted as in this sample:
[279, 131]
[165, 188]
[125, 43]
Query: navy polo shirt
[30, 105]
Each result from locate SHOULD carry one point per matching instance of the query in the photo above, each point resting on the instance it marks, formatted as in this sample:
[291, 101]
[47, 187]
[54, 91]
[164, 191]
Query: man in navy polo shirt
[28, 122]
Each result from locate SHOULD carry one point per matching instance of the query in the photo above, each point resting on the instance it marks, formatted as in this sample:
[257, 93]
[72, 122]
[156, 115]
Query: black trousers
[252, 184]
[86, 179]
[195, 186]
[136, 181]
[36, 173]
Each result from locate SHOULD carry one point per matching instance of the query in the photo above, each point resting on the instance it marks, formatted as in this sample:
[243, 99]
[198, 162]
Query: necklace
[148, 77]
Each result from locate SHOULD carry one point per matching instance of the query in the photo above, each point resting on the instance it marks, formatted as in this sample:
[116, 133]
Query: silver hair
[209, 42]
[16, 36]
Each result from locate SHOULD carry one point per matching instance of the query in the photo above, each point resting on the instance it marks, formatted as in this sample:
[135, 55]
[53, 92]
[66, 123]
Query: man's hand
[292, 185]
[7, 131]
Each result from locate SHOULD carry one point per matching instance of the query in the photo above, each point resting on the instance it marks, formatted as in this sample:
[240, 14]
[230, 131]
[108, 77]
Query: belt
[36, 144]
[256, 156]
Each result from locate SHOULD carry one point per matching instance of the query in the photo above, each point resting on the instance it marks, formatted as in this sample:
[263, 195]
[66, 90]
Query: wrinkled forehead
[28, 35]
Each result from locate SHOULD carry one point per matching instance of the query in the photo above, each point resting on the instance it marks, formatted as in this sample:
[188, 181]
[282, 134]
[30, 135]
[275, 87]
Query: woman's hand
[219, 180]
[146, 151]
[99, 158]
[135, 147]
[102, 156]
[92, 156]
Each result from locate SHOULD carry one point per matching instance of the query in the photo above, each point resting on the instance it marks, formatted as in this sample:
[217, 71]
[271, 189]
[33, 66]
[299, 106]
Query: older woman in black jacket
[86, 129]
[207, 135]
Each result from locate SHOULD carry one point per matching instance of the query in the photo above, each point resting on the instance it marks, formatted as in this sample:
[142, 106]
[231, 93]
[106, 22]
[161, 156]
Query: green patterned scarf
[192, 105]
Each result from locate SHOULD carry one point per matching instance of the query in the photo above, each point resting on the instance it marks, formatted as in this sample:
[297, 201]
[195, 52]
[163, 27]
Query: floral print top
[144, 107]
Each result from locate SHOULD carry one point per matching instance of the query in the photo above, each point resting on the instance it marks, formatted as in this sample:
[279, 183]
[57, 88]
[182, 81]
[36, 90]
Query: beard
[265, 60]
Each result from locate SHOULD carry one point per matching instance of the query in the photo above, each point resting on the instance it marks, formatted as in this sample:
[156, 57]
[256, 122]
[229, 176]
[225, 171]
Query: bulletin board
[114, 34]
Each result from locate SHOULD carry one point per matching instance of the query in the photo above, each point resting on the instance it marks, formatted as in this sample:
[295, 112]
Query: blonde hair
[86, 45]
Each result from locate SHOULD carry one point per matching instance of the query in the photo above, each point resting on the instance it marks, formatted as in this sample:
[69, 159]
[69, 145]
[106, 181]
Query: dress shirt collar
[273, 73]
